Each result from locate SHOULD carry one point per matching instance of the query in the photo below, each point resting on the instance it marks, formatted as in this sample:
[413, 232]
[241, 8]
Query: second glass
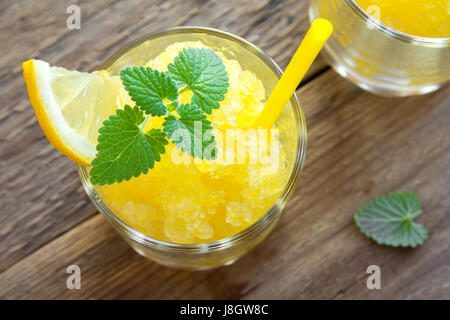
[378, 58]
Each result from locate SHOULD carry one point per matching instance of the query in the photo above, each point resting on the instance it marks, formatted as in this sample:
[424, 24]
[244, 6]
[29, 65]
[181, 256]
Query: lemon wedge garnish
[71, 106]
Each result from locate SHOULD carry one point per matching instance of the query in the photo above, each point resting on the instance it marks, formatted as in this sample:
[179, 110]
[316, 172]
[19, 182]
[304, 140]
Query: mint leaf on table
[149, 89]
[191, 132]
[388, 220]
[124, 150]
[202, 72]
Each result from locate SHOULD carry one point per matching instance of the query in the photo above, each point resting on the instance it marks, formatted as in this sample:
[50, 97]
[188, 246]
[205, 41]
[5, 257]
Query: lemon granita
[165, 141]
[425, 18]
[205, 200]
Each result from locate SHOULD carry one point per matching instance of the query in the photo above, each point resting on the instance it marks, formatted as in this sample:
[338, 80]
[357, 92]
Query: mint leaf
[124, 150]
[149, 89]
[203, 72]
[388, 220]
[191, 132]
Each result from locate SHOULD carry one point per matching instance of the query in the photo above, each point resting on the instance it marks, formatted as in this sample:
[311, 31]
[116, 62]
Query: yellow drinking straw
[308, 50]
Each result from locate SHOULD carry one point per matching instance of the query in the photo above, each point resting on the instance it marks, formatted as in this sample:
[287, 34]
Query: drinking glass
[227, 250]
[379, 58]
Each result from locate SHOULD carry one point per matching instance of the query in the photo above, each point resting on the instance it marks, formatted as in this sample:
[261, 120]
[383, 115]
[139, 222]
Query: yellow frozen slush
[425, 18]
[210, 200]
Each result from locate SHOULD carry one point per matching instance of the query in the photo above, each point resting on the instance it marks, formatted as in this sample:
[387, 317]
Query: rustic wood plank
[32, 175]
[360, 146]
[41, 197]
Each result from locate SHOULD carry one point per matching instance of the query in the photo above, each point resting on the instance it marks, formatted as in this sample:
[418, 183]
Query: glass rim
[394, 33]
[278, 204]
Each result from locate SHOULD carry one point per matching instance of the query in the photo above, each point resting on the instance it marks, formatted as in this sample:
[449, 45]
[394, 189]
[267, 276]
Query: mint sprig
[191, 132]
[125, 150]
[149, 89]
[388, 220]
[201, 71]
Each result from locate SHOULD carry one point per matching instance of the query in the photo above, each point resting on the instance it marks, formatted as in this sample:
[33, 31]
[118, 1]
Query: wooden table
[359, 146]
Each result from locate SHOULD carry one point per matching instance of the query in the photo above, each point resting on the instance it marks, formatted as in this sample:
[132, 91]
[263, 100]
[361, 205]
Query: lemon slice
[71, 106]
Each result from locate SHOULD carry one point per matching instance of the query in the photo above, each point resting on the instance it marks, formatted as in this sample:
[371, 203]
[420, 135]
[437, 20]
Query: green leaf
[389, 220]
[124, 150]
[191, 132]
[149, 89]
[203, 72]
[172, 106]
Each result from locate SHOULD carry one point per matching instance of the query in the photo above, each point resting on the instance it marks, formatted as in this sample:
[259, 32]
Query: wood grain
[359, 146]
[357, 151]
[41, 196]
